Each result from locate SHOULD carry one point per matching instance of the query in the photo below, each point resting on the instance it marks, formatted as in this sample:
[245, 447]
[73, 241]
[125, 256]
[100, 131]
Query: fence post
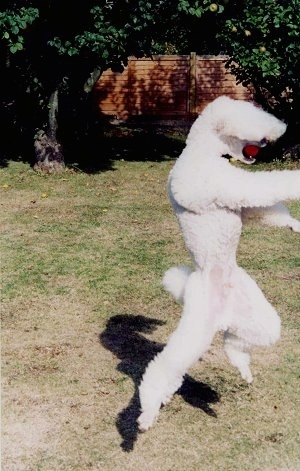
[130, 98]
[191, 108]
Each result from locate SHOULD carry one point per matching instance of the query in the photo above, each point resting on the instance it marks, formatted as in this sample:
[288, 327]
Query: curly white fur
[211, 199]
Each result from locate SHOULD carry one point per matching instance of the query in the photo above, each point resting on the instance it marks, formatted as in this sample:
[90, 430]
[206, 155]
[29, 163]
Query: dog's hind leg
[237, 352]
[254, 322]
[190, 340]
[254, 319]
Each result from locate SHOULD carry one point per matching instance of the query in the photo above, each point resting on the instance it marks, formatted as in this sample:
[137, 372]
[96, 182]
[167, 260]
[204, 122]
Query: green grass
[82, 257]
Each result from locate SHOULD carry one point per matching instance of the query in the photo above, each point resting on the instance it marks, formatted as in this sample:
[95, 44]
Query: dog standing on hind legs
[212, 199]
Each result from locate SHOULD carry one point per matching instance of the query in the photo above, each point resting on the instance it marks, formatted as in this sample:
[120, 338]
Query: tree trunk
[94, 76]
[48, 151]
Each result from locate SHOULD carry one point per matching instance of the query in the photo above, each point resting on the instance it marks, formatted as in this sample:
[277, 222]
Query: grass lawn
[83, 311]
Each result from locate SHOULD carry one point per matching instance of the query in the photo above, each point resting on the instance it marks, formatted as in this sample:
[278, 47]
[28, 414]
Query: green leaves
[198, 8]
[13, 24]
[262, 39]
[51, 47]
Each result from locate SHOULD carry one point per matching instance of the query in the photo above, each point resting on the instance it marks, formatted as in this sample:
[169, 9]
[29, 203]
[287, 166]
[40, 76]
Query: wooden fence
[165, 87]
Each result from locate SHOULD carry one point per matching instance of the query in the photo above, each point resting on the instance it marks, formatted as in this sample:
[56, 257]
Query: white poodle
[211, 197]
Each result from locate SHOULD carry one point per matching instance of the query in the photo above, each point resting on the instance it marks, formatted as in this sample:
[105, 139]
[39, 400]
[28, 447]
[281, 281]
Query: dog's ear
[221, 128]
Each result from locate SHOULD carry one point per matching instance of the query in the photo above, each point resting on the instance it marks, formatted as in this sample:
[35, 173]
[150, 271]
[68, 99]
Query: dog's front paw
[146, 420]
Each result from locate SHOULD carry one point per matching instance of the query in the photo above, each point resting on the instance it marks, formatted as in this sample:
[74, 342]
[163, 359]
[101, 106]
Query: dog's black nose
[264, 142]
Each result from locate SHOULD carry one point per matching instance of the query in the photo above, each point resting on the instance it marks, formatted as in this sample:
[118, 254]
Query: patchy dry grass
[82, 256]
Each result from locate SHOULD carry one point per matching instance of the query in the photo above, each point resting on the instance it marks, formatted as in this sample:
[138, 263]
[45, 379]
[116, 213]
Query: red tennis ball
[251, 150]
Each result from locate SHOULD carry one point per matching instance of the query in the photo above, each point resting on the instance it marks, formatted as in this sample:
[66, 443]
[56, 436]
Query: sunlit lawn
[82, 257]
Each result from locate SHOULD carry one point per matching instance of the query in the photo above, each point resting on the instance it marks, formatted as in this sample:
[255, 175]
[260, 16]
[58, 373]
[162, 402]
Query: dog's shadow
[122, 336]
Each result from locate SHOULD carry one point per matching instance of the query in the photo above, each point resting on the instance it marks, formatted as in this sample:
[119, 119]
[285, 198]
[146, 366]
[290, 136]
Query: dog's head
[242, 126]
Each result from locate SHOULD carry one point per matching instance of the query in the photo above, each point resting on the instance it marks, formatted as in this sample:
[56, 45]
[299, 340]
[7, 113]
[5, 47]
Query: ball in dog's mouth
[250, 151]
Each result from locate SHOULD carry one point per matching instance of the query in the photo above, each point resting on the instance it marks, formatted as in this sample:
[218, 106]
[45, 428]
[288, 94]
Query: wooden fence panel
[157, 87]
[168, 87]
[213, 80]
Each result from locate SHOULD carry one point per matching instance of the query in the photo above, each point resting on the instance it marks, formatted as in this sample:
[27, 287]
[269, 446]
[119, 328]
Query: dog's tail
[175, 279]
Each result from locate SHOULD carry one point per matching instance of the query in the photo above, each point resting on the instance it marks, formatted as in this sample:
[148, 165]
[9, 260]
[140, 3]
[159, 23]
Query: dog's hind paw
[295, 225]
[246, 375]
